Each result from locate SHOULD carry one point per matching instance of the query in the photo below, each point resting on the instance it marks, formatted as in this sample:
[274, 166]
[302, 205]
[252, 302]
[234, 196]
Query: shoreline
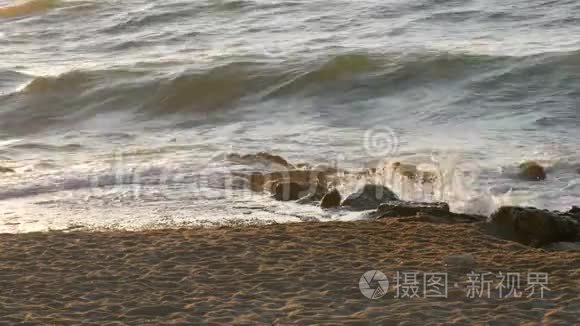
[292, 273]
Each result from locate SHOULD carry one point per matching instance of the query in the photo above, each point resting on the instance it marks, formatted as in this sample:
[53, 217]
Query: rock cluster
[370, 196]
[308, 185]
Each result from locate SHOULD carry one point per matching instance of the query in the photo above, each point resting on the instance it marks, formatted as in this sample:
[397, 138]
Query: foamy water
[100, 100]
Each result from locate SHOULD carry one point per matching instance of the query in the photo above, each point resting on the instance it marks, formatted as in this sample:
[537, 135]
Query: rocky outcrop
[532, 226]
[532, 171]
[425, 212]
[331, 199]
[268, 181]
[369, 197]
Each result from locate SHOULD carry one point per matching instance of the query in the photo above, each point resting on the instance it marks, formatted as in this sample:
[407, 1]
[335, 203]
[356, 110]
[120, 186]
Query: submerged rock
[255, 181]
[532, 226]
[369, 197]
[406, 170]
[268, 181]
[315, 193]
[271, 180]
[6, 170]
[260, 157]
[411, 172]
[331, 199]
[304, 192]
[286, 191]
[532, 171]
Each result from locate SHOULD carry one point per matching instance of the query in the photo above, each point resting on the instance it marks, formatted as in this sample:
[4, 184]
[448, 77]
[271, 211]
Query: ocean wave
[171, 13]
[56, 98]
[10, 81]
[68, 82]
[47, 101]
[208, 91]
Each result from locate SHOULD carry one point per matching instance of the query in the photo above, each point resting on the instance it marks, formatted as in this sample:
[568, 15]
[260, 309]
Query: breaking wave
[80, 94]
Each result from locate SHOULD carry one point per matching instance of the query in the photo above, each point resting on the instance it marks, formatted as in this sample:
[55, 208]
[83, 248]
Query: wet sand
[303, 273]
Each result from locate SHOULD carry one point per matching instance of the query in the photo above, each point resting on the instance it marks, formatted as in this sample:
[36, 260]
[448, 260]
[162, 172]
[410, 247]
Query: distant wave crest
[27, 8]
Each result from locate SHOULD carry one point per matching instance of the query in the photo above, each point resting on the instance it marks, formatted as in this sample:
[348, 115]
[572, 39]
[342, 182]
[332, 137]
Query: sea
[121, 113]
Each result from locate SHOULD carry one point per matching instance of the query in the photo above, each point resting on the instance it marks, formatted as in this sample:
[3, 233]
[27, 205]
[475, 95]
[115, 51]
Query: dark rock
[6, 170]
[407, 208]
[271, 180]
[575, 210]
[424, 212]
[305, 192]
[331, 199]
[451, 218]
[532, 171]
[369, 197]
[532, 226]
[286, 191]
[268, 181]
[315, 193]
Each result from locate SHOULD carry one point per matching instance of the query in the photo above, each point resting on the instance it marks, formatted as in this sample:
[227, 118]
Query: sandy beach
[245, 162]
[303, 273]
